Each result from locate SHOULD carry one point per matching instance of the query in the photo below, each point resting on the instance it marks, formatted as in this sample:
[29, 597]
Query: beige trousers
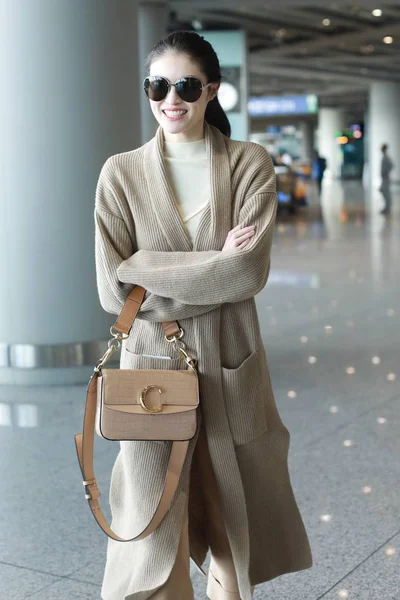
[222, 582]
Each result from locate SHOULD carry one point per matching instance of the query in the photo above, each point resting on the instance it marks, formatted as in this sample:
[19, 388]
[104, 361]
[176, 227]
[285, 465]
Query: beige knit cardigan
[140, 239]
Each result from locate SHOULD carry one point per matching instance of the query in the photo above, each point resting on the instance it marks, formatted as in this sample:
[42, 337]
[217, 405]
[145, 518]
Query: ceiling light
[196, 24]
[368, 49]
[377, 12]
[388, 39]
[343, 139]
[326, 22]
[326, 518]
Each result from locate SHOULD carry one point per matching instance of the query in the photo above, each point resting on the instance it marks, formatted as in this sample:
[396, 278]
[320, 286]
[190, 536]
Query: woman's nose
[172, 96]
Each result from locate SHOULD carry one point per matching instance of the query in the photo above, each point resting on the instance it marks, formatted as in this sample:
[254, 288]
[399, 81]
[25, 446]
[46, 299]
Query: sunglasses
[189, 89]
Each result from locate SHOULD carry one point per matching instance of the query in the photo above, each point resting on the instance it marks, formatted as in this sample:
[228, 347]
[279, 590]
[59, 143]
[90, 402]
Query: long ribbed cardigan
[140, 239]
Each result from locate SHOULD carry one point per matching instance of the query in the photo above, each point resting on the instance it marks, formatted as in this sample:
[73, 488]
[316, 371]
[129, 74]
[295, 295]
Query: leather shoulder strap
[131, 308]
[84, 443]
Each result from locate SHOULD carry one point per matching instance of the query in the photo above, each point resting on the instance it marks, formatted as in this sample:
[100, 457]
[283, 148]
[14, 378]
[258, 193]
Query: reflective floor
[330, 317]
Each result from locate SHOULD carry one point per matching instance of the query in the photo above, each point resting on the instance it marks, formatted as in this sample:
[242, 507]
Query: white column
[330, 121]
[307, 130]
[69, 101]
[383, 127]
[153, 19]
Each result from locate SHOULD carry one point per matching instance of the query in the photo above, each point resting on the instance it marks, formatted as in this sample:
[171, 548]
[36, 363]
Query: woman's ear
[213, 91]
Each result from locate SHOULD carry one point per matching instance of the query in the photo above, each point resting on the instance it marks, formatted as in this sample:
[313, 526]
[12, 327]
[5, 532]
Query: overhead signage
[272, 106]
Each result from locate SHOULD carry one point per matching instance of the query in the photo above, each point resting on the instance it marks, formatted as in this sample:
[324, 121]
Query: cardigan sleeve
[214, 277]
[113, 244]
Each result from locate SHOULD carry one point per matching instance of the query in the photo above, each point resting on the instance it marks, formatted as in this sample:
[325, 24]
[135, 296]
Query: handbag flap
[120, 389]
[136, 409]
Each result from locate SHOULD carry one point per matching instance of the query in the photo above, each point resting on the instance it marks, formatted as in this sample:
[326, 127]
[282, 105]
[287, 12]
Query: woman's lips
[174, 115]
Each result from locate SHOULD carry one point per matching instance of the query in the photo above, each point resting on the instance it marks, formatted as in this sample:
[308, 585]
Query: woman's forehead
[173, 66]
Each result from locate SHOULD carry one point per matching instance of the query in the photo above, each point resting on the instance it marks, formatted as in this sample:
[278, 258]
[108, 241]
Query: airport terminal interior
[318, 85]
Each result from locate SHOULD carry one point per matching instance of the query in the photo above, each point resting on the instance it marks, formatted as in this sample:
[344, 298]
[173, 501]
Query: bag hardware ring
[142, 399]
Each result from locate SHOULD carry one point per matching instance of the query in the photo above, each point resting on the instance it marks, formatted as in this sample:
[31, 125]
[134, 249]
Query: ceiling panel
[290, 47]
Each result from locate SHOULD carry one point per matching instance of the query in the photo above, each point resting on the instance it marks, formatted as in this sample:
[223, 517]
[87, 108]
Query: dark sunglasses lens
[189, 89]
[156, 89]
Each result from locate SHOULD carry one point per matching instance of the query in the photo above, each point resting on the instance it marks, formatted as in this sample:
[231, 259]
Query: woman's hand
[238, 237]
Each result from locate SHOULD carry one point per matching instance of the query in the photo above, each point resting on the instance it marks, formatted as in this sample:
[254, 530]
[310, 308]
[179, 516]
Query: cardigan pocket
[131, 360]
[244, 400]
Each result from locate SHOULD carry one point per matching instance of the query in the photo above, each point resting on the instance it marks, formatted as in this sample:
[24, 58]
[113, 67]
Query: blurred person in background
[386, 168]
[318, 169]
[286, 158]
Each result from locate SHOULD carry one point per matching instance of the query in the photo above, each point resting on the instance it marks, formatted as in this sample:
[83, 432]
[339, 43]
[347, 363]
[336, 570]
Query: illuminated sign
[266, 106]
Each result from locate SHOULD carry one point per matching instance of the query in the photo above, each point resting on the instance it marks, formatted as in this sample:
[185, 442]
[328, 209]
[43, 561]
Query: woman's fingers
[238, 228]
[244, 237]
[238, 237]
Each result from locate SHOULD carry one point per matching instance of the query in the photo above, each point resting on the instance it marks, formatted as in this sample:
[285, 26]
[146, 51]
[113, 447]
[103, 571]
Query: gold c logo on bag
[143, 400]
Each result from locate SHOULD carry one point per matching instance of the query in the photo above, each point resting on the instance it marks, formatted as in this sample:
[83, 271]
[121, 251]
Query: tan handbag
[139, 404]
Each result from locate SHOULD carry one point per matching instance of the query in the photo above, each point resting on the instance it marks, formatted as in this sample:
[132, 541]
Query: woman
[386, 168]
[189, 216]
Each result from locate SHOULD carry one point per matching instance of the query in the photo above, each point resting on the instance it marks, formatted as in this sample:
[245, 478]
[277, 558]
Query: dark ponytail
[200, 51]
[215, 115]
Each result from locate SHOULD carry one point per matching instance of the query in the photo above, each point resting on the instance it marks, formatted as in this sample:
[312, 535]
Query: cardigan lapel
[162, 196]
[215, 221]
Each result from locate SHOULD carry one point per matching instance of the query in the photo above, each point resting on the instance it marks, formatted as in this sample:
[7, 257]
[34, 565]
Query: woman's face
[181, 121]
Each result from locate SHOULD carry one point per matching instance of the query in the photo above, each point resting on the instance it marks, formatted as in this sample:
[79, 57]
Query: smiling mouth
[174, 113]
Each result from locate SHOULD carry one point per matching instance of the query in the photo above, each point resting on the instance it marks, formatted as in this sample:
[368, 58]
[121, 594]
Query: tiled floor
[330, 317]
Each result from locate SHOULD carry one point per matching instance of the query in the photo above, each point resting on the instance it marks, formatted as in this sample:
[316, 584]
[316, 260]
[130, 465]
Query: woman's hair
[200, 51]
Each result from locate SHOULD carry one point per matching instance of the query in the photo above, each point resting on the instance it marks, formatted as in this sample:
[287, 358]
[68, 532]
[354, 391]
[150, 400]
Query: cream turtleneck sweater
[187, 169]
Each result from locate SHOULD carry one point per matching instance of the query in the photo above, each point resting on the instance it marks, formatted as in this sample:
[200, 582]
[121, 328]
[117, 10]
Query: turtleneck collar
[184, 149]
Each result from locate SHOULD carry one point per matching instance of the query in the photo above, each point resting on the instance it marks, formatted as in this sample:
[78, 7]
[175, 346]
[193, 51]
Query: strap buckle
[180, 348]
[91, 494]
[113, 345]
[191, 362]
